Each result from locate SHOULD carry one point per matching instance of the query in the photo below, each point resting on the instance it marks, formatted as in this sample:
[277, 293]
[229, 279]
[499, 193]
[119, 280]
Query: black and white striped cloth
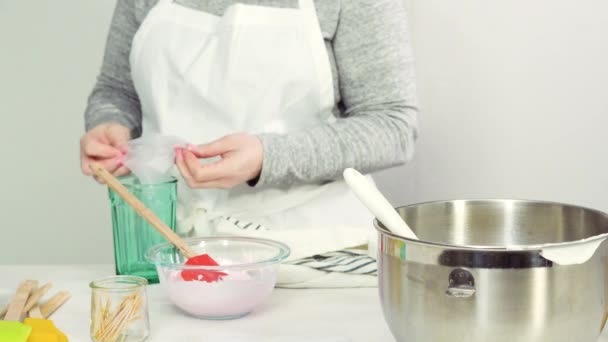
[350, 261]
[344, 261]
[244, 225]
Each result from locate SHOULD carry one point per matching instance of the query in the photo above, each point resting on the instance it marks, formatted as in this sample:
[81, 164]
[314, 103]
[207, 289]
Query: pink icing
[236, 294]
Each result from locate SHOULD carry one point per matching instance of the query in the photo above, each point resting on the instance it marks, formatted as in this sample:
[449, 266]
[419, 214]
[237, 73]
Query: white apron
[256, 69]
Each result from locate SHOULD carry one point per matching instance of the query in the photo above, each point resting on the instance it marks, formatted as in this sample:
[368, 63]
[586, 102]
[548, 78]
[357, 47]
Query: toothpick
[109, 326]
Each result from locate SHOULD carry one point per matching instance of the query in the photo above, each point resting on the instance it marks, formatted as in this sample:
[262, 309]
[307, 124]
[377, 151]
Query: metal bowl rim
[535, 247]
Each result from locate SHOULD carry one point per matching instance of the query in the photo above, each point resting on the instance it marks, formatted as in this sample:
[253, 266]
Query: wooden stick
[48, 308]
[16, 306]
[35, 297]
[141, 209]
[3, 311]
[35, 312]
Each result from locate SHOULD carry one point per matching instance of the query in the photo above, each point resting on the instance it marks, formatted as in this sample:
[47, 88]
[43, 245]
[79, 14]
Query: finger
[214, 148]
[120, 160]
[84, 164]
[111, 165]
[208, 172]
[99, 180]
[118, 135]
[225, 183]
[193, 165]
[183, 169]
[123, 148]
[108, 164]
[95, 149]
[84, 167]
[121, 171]
[215, 171]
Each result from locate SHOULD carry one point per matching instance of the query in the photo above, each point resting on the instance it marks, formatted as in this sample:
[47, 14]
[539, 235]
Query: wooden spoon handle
[141, 209]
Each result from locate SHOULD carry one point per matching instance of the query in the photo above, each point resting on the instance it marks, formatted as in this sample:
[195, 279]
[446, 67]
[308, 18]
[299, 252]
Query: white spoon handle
[371, 197]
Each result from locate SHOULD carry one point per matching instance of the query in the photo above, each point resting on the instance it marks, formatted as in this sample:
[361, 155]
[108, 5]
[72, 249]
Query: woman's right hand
[105, 144]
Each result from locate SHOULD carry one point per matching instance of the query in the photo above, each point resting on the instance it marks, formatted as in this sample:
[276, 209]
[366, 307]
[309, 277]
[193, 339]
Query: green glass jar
[133, 236]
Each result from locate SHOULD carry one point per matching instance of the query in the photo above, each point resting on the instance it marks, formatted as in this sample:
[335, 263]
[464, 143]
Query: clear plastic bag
[152, 157]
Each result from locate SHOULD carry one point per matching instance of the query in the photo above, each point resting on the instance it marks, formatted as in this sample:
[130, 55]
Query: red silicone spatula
[161, 227]
[207, 275]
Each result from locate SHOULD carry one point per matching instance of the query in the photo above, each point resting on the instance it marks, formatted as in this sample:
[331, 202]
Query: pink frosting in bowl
[250, 265]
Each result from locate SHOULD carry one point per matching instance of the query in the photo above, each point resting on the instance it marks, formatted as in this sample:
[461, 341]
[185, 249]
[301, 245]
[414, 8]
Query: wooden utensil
[15, 308]
[3, 311]
[162, 228]
[142, 210]
[43, 329]
[45, 310]
[37, 294]
[37, 327]
[11, 329]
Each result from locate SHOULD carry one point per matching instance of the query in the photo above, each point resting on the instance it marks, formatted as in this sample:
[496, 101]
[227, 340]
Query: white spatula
[373, 199]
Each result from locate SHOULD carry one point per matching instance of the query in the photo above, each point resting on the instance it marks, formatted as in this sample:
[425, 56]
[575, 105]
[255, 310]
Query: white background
[513, 93]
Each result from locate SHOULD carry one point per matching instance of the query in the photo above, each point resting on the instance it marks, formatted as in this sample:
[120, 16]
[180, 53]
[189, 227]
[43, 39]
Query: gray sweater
[372, 64]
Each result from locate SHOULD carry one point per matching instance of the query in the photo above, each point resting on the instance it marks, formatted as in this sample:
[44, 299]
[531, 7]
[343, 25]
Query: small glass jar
[119, 309]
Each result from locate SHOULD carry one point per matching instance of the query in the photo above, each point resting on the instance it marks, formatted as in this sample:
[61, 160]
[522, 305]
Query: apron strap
[324, 69]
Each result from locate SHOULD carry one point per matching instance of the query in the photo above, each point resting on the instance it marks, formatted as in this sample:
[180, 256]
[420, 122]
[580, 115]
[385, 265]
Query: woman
[277, 97]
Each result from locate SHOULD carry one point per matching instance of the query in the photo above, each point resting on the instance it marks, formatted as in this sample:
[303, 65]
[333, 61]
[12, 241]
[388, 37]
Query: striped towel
[244, 225]
[345, 261]
[349, 261]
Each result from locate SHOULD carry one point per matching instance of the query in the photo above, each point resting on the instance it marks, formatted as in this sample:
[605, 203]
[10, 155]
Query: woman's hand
[105, 144]
[241, 160]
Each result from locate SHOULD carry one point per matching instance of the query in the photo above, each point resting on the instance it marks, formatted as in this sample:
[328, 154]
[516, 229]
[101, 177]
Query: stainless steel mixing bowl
[458, 282]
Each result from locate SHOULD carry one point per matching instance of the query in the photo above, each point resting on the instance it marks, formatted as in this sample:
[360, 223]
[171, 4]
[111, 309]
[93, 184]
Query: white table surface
[354, 314]
[351, 313]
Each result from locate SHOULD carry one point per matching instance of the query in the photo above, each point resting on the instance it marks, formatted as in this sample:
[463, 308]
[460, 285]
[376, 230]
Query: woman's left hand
[241, 160]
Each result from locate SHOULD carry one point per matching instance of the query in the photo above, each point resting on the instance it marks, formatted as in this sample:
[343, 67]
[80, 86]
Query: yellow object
[43, 330]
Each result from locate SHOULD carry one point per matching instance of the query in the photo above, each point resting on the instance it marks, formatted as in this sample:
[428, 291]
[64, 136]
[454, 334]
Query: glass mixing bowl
[250, 266]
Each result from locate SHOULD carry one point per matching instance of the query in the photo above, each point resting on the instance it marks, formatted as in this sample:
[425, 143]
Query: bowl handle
[461, 284]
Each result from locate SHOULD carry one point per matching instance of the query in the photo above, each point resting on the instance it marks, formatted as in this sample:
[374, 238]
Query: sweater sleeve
[377, 86]
[113, 99]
